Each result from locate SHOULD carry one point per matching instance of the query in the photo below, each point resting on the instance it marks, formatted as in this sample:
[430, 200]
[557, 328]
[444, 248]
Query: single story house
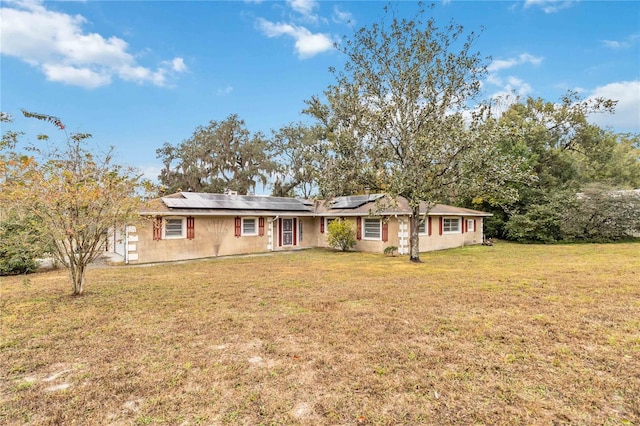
[189, 225]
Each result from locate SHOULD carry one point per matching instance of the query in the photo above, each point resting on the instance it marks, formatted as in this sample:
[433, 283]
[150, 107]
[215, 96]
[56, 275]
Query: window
[372, 229]
[422, 228]
[174, 228]
[471, 225]
[328, 220]
[249, 226]
[451, 225]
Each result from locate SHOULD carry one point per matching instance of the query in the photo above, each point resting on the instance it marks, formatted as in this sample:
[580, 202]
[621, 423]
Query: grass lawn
[510, 334]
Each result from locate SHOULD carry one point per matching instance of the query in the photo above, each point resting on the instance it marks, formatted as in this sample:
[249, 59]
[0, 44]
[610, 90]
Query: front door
[287, 232]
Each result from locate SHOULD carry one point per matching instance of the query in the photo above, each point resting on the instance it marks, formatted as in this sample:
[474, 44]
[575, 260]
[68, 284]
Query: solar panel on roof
[234, 202]
[353, 201]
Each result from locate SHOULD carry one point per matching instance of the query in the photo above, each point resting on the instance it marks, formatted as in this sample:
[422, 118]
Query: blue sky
[137, 74]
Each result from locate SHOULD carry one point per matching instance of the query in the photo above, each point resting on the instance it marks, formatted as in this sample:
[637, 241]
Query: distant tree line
[582, 175]
[570, 179]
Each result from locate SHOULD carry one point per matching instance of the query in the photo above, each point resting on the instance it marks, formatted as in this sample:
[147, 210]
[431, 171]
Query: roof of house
[381, 205]
[206, 204]
[200, 203]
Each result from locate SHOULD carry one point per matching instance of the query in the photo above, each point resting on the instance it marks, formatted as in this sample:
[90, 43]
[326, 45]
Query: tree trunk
[414, 239]
[76, 274]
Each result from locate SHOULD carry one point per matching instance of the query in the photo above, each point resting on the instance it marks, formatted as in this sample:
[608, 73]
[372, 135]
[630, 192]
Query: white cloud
[523, 58]
[306, 10]
[303, 7]
[627, 114]
[57, 44]
[178, 65]
[627, 43]
[510, 93]
[151, 172]
[518, 86]
[549, 6]
[307, 44]
[80, 76]
[510, 88]
[342, 16]
[225, 91]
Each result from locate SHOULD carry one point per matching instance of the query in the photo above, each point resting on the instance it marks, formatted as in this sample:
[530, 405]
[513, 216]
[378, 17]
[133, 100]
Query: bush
[341, 235]
[391, 250]
[21, 243]
[602, 215]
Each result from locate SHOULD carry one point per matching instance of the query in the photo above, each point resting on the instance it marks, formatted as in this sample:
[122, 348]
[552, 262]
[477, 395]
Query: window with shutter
[249, 226]
[451, 225]
[174, 228]
[372, 229]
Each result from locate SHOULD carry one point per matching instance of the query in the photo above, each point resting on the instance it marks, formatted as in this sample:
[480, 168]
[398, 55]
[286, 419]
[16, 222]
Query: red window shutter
[261, 226]
[238, 226]
[429, 225]
[385, 231]
[280, 232]
[464, 225]
[474, 226]
[157, 228]
[191, 228]
[441, 220]
[359, 227]
[295, 231]
[322, 225]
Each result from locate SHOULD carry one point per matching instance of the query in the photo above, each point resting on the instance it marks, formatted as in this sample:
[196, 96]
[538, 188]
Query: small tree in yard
[76, 195]
[341, 235]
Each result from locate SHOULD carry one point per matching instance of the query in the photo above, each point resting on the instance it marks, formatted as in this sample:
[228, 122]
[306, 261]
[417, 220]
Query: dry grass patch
[509, 334]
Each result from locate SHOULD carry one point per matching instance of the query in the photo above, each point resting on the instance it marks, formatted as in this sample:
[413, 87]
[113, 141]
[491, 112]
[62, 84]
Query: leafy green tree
[76, 196]
[599, 214]
[299, 157]
[221, 155]
[566, 153]
[397, 119]
[341, 235]
[539, 222]
[21, 240]
[21, 243]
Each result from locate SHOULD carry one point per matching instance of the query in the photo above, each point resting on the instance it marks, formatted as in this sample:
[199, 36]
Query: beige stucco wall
[211, 235]
[372, 246]
[214, 236]
[435, 241]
